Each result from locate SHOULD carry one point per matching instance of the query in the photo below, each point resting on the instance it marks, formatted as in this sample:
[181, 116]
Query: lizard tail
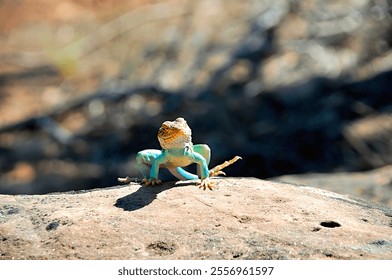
[217, 170]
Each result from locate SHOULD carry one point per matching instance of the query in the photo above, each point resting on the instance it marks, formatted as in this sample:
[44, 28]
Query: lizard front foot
[206, 183]
[151, 182]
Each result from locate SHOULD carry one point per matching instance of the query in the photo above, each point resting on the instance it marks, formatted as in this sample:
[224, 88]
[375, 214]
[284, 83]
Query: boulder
[242, 218]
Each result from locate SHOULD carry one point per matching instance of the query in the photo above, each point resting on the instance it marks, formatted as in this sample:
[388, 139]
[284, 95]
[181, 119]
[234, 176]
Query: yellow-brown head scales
[175, 134]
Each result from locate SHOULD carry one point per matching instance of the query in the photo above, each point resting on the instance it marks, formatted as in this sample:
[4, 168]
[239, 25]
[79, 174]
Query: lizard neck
[187, 147]
[178, 147]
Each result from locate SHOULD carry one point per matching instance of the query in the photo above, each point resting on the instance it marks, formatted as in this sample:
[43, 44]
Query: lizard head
[175, 134]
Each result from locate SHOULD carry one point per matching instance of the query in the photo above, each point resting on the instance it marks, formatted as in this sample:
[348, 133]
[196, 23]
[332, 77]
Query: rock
[243, 218]
[374, 185]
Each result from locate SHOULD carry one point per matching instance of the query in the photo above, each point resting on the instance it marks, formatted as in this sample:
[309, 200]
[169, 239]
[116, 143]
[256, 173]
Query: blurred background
[302, 90]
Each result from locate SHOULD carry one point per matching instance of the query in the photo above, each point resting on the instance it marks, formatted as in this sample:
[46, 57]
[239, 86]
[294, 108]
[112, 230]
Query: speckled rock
[243, 218]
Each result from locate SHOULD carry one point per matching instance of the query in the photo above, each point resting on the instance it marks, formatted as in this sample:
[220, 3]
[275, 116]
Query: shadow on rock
[143, 196]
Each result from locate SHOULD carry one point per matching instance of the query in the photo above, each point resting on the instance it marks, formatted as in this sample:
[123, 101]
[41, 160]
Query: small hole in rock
[52, 226]
[236, 256]
[330, 224]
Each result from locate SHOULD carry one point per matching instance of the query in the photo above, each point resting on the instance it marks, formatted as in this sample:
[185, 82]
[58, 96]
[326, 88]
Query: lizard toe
[151, 182]
[206, 183]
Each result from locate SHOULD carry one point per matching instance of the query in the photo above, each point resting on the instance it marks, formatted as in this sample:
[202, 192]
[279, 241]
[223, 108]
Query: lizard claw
[206, 183]
[151, 182]
[217, 173]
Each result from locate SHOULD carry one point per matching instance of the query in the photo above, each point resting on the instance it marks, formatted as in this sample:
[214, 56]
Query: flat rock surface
[243, 218]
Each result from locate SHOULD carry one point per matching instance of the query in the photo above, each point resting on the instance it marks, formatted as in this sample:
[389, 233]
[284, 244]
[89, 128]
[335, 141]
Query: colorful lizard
[175, 138]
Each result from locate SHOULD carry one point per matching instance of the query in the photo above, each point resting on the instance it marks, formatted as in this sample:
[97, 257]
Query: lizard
[178, 151]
